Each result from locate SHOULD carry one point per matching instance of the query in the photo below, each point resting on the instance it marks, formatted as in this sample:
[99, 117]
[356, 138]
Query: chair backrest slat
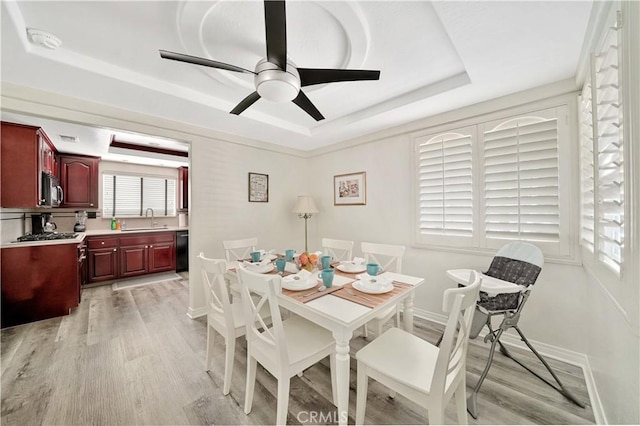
[239, 249]
[215, 288]
[338, 249]
[388, 256]
[264, 289]
[460, 304]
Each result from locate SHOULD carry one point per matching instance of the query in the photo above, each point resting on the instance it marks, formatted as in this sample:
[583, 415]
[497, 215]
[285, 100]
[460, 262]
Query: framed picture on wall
[350, 189]
[258, 188]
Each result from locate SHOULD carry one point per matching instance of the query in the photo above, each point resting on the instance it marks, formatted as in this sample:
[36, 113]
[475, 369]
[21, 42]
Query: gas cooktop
[47, 236]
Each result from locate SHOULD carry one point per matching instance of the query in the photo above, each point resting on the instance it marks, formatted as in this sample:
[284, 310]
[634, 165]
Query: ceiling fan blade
[305, 103]
[311, 76]
[275, 24]
[181, 57]
[245, 103]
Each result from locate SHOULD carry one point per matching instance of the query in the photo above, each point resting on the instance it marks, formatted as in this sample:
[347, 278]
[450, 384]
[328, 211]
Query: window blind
[609, 162]
[521, 180]
[445, 185]
[130, 195]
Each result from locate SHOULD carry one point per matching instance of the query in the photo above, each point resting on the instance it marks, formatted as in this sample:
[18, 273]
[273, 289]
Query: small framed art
[350, 189]
[258, 188]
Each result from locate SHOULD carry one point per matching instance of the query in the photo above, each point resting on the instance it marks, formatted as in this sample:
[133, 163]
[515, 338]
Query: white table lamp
[305, 207]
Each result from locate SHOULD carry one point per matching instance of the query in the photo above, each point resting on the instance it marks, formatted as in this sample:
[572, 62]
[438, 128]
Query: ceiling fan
[277, 79]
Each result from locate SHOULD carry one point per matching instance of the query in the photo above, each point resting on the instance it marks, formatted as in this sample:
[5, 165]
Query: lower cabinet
[38, 282]
[103, 259]
[131, 255]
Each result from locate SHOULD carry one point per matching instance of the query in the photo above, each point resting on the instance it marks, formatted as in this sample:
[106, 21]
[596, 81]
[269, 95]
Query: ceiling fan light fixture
[276, 85]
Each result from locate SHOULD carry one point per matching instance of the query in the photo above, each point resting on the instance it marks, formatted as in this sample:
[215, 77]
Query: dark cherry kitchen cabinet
[79, 180]
[134, 260]
[130, 255]
[147, 253]
[162, 257]
[39, 282]
[25, 153]
[103, 259]
[183, 184]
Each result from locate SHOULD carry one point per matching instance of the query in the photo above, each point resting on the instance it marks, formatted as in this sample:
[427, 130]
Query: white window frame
[566, 109]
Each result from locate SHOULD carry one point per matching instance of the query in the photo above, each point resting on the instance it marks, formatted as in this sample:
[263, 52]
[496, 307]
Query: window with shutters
[445, 186]
[130, 195]
[602, 156]
[481, 186]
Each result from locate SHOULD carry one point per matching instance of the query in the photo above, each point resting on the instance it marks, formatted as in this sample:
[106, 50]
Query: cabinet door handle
[115, 249]
[150, 246]
[102, 242]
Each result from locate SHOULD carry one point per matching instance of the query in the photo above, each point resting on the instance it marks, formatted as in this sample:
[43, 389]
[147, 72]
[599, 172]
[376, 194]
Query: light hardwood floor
[134, 357]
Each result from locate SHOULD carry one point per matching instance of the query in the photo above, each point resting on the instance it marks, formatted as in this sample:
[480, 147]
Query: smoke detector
[43, 38]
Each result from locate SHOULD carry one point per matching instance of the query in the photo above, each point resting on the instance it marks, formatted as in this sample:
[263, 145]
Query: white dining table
[342, 317]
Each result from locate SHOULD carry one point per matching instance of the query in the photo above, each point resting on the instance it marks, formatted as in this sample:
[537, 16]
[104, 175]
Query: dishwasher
[182, 251]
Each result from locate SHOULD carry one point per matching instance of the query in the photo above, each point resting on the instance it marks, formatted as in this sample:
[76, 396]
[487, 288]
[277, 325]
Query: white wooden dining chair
[284, 349]
[222, 316]
[424, 373]
[239, 249]
[389, 257]
[338, 249]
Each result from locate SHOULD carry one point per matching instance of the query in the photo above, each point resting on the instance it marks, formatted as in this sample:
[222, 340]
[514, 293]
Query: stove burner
[47, 236]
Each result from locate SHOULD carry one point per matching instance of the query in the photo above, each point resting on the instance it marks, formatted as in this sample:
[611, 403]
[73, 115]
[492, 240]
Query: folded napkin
[358, 260]
[374, 283]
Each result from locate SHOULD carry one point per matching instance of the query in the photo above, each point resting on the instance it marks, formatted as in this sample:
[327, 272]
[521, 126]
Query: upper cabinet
[79, 180]
[26, 152]
[183, 183]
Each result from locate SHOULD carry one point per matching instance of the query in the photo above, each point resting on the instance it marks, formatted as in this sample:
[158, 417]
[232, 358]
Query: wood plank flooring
[134, 357]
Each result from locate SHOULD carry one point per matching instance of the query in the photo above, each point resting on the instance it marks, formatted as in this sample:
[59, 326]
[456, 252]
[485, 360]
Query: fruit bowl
[308, 261]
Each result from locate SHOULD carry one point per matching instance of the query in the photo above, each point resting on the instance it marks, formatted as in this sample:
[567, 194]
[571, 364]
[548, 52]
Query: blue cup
[326, 261]
[373, 269]
[281, 262]
[327, 277]
[255, 256]
[289, 254]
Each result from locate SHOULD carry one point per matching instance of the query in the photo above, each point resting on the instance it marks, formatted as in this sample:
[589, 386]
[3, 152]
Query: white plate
[350, 268]
[298, 285]
[261, 269]
[371, 289]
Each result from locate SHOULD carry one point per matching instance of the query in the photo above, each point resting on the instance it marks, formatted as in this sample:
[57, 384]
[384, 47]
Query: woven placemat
[371, 300]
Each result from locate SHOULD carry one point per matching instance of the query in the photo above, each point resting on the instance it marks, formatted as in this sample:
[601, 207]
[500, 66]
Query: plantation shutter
[521, 179]
[445, 185]
[587, 169]
[609, 165]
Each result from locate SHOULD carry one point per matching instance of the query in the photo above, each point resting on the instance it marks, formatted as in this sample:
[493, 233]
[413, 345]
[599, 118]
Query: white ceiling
[433, 57]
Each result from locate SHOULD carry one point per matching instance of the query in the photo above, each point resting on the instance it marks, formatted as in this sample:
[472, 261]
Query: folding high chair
[506, 286]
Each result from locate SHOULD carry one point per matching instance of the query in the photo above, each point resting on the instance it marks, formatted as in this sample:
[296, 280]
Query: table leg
[343, 371]
[408, 313]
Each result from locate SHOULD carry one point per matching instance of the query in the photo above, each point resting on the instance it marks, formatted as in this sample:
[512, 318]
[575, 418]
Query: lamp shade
[304, 205]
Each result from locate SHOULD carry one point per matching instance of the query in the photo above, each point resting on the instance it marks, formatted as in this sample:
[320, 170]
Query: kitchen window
[480, 186]
[131, 195]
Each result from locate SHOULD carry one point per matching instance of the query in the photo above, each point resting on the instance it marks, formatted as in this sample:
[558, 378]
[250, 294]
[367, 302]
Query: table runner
[371, 300]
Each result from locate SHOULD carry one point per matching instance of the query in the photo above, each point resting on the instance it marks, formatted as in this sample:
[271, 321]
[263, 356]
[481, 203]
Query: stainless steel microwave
[51, 191]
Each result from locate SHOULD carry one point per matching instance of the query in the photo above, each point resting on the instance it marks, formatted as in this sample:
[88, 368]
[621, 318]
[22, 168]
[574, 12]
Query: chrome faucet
[146, 214]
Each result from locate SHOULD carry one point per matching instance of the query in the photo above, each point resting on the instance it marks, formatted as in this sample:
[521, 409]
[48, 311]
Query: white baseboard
[560, 354]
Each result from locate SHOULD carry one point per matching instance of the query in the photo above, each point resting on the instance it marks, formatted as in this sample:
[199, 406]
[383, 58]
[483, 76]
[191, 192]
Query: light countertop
[93, 232]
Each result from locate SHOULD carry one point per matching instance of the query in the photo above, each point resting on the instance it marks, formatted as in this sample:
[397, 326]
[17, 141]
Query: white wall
[220, 209]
